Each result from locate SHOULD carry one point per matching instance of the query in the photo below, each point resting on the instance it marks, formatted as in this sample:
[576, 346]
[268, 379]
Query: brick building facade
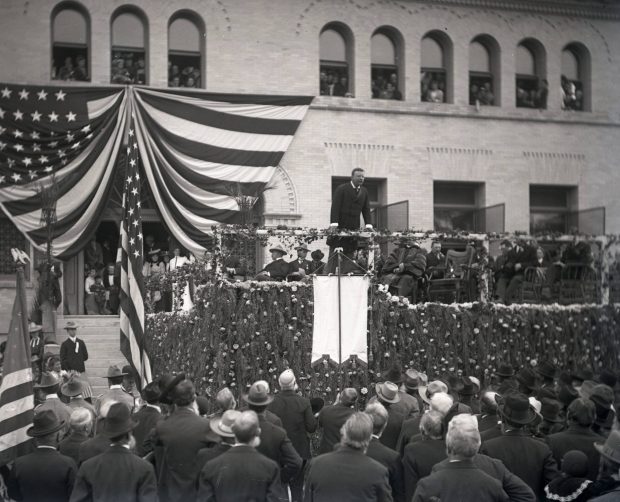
[406, 146]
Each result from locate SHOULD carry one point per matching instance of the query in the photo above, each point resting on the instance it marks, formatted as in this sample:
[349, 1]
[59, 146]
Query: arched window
[575, 77]
[186, 34]
[70, 42]
[484, 71]
[336, 56]
[436, 56]
[531, 86]
[129, 56]
[385, 57]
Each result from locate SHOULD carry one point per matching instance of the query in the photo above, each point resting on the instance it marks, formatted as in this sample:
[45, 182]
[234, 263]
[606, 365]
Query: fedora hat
[71, 325]
[582, 374]
[611, 448]
[433, 388]
[505, 370]
[118, 421]
[603, 395]
[550, 410]
[45, 422]
[114, 371]
[302, 246]
[72, 387]
[387, 392]
[412, 379]
[516, 409]
[33, 327]
[47, 380]
[279, 249]
[258, 395]
[222, 426]
[547, 370]
[394, 374]
[465, 387]
[527, 378]
[166, 384]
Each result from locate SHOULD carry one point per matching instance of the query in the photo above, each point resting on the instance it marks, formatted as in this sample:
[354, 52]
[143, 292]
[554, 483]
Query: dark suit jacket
[69, 359]
[390, 459]
[44, 474]
[579, 438]
[460, 481]
[347, 205]
[331, 419]
[394, 425]
[410, 428]
[528, 458]
[180, 436]
[514, 487]
[432, 260]
[297, 419]
[346, 474]
[295, 265]
[93, 447]
[147, 418]
[487, 421]
[240, 474]
[70, 446]
[117, 475]
[278, 269]
[207, 454]
[418, 461]
[275, 444]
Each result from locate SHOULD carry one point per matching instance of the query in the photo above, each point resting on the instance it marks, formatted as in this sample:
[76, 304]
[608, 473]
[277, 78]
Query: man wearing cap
[274, 442]
[116, 474]
[241, 472]
[74, 390]
[610, 468]
[180, 436]
[528, 458]
[578, 435]
[221, 425]
[73, 352]
[404, 267]
[80, 426]
[115, 392]
[147, 418]
[278, 269]
[301, 263]
[298, 421]
[333, 416]
[49, 387]
[44, 474]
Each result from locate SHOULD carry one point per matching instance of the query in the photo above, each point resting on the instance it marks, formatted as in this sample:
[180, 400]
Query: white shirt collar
[51, 396]
[119, 386]
[46, 447]
[120, 444]
[158, 408]
[353, 185]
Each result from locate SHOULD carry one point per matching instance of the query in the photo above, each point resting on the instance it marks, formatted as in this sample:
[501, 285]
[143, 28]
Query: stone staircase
[102, 337]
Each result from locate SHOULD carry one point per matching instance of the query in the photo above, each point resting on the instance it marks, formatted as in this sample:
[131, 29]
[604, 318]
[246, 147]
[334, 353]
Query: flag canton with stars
[42, 128]
[132, 203]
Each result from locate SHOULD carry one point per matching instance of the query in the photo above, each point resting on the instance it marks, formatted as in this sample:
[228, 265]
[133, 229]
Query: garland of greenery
[239, 333]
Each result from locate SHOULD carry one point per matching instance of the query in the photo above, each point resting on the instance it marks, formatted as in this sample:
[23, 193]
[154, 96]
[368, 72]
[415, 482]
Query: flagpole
[339, 257]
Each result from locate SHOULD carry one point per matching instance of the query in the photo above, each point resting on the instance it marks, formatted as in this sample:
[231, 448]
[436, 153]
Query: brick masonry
[271, 46]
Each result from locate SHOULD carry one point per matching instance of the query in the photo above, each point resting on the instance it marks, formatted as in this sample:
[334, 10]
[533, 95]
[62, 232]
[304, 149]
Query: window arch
[436, 60]
[186, 35]
[386, 56]
[336, 60]
[484, 71]
[576, 77]
[70, 42]
[531, 85]
[129, 46]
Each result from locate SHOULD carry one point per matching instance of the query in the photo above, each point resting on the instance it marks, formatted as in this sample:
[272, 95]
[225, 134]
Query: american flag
[66, 137]
[130, 255]
[16, 391]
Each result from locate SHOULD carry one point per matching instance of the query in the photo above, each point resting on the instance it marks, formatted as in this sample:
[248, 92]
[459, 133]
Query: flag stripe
[10, 443]
[14, 416]
[237, 99]
[16, 392]
[14, 378]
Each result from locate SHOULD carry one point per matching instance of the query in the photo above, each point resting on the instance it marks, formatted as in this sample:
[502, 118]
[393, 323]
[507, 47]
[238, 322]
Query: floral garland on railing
[238, 333]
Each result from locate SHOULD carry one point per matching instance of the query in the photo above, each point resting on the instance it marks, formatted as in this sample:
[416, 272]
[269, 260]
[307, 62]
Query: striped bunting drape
[195, 147]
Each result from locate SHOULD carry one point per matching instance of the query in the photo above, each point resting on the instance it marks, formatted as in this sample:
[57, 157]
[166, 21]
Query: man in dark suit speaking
[348, 202]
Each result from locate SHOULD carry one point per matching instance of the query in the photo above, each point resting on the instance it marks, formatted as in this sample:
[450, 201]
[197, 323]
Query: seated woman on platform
[278, 269]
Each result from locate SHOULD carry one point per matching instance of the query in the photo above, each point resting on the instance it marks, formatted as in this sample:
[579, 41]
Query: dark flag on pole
[16, 391]
[130, 255]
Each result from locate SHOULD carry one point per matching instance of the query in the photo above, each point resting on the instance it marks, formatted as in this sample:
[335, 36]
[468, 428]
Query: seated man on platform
[435, 261]
[521, 256]
[404, 267]
[278, 269]
[300, 267]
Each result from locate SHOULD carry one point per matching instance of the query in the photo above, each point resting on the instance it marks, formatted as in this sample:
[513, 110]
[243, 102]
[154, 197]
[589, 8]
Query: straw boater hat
[70, 325]
[222, 426]
[44, 422]
[33, 327]
[279, 249]
[387, 392]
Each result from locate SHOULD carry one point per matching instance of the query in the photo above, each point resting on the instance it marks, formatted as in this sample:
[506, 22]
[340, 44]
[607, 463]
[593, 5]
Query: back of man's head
[246, 428]
[184, 393]
[463, 438]
[441, 402]
[582, 412]
[488, 402]
[431, 425]
[225, 400]
[357, 431]
[80, 420]
[348, 397]
[379, 416]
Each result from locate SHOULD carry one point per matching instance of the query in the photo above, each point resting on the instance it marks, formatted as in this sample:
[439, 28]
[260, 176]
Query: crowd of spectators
[72, 69]
[385, 87]
[572, 95]
[433, 87]
[128, 68]
[534, 97]
[334, 82]
[189, 76]
[481, 94]
[526, 434]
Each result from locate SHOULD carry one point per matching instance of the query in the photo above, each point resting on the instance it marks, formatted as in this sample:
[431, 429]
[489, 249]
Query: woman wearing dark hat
[572, 484]
[317, 265]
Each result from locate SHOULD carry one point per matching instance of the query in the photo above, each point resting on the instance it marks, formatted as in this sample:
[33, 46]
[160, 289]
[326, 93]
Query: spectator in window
[67, 72]
[196, 77]
[323, 84]
[81, 73]
[541, 94]
[474, 92]
[425, 82]
[175, 82]
[129, 66]
[435, 94]
[190, 82]
[120, 75]
[485, 95]
[341, 87]
[174, 71]
[387, 92]
[141, 72]
[523, 98]
[394, 81]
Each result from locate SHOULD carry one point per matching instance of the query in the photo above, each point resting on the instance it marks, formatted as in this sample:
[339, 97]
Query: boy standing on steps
[73, 355]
